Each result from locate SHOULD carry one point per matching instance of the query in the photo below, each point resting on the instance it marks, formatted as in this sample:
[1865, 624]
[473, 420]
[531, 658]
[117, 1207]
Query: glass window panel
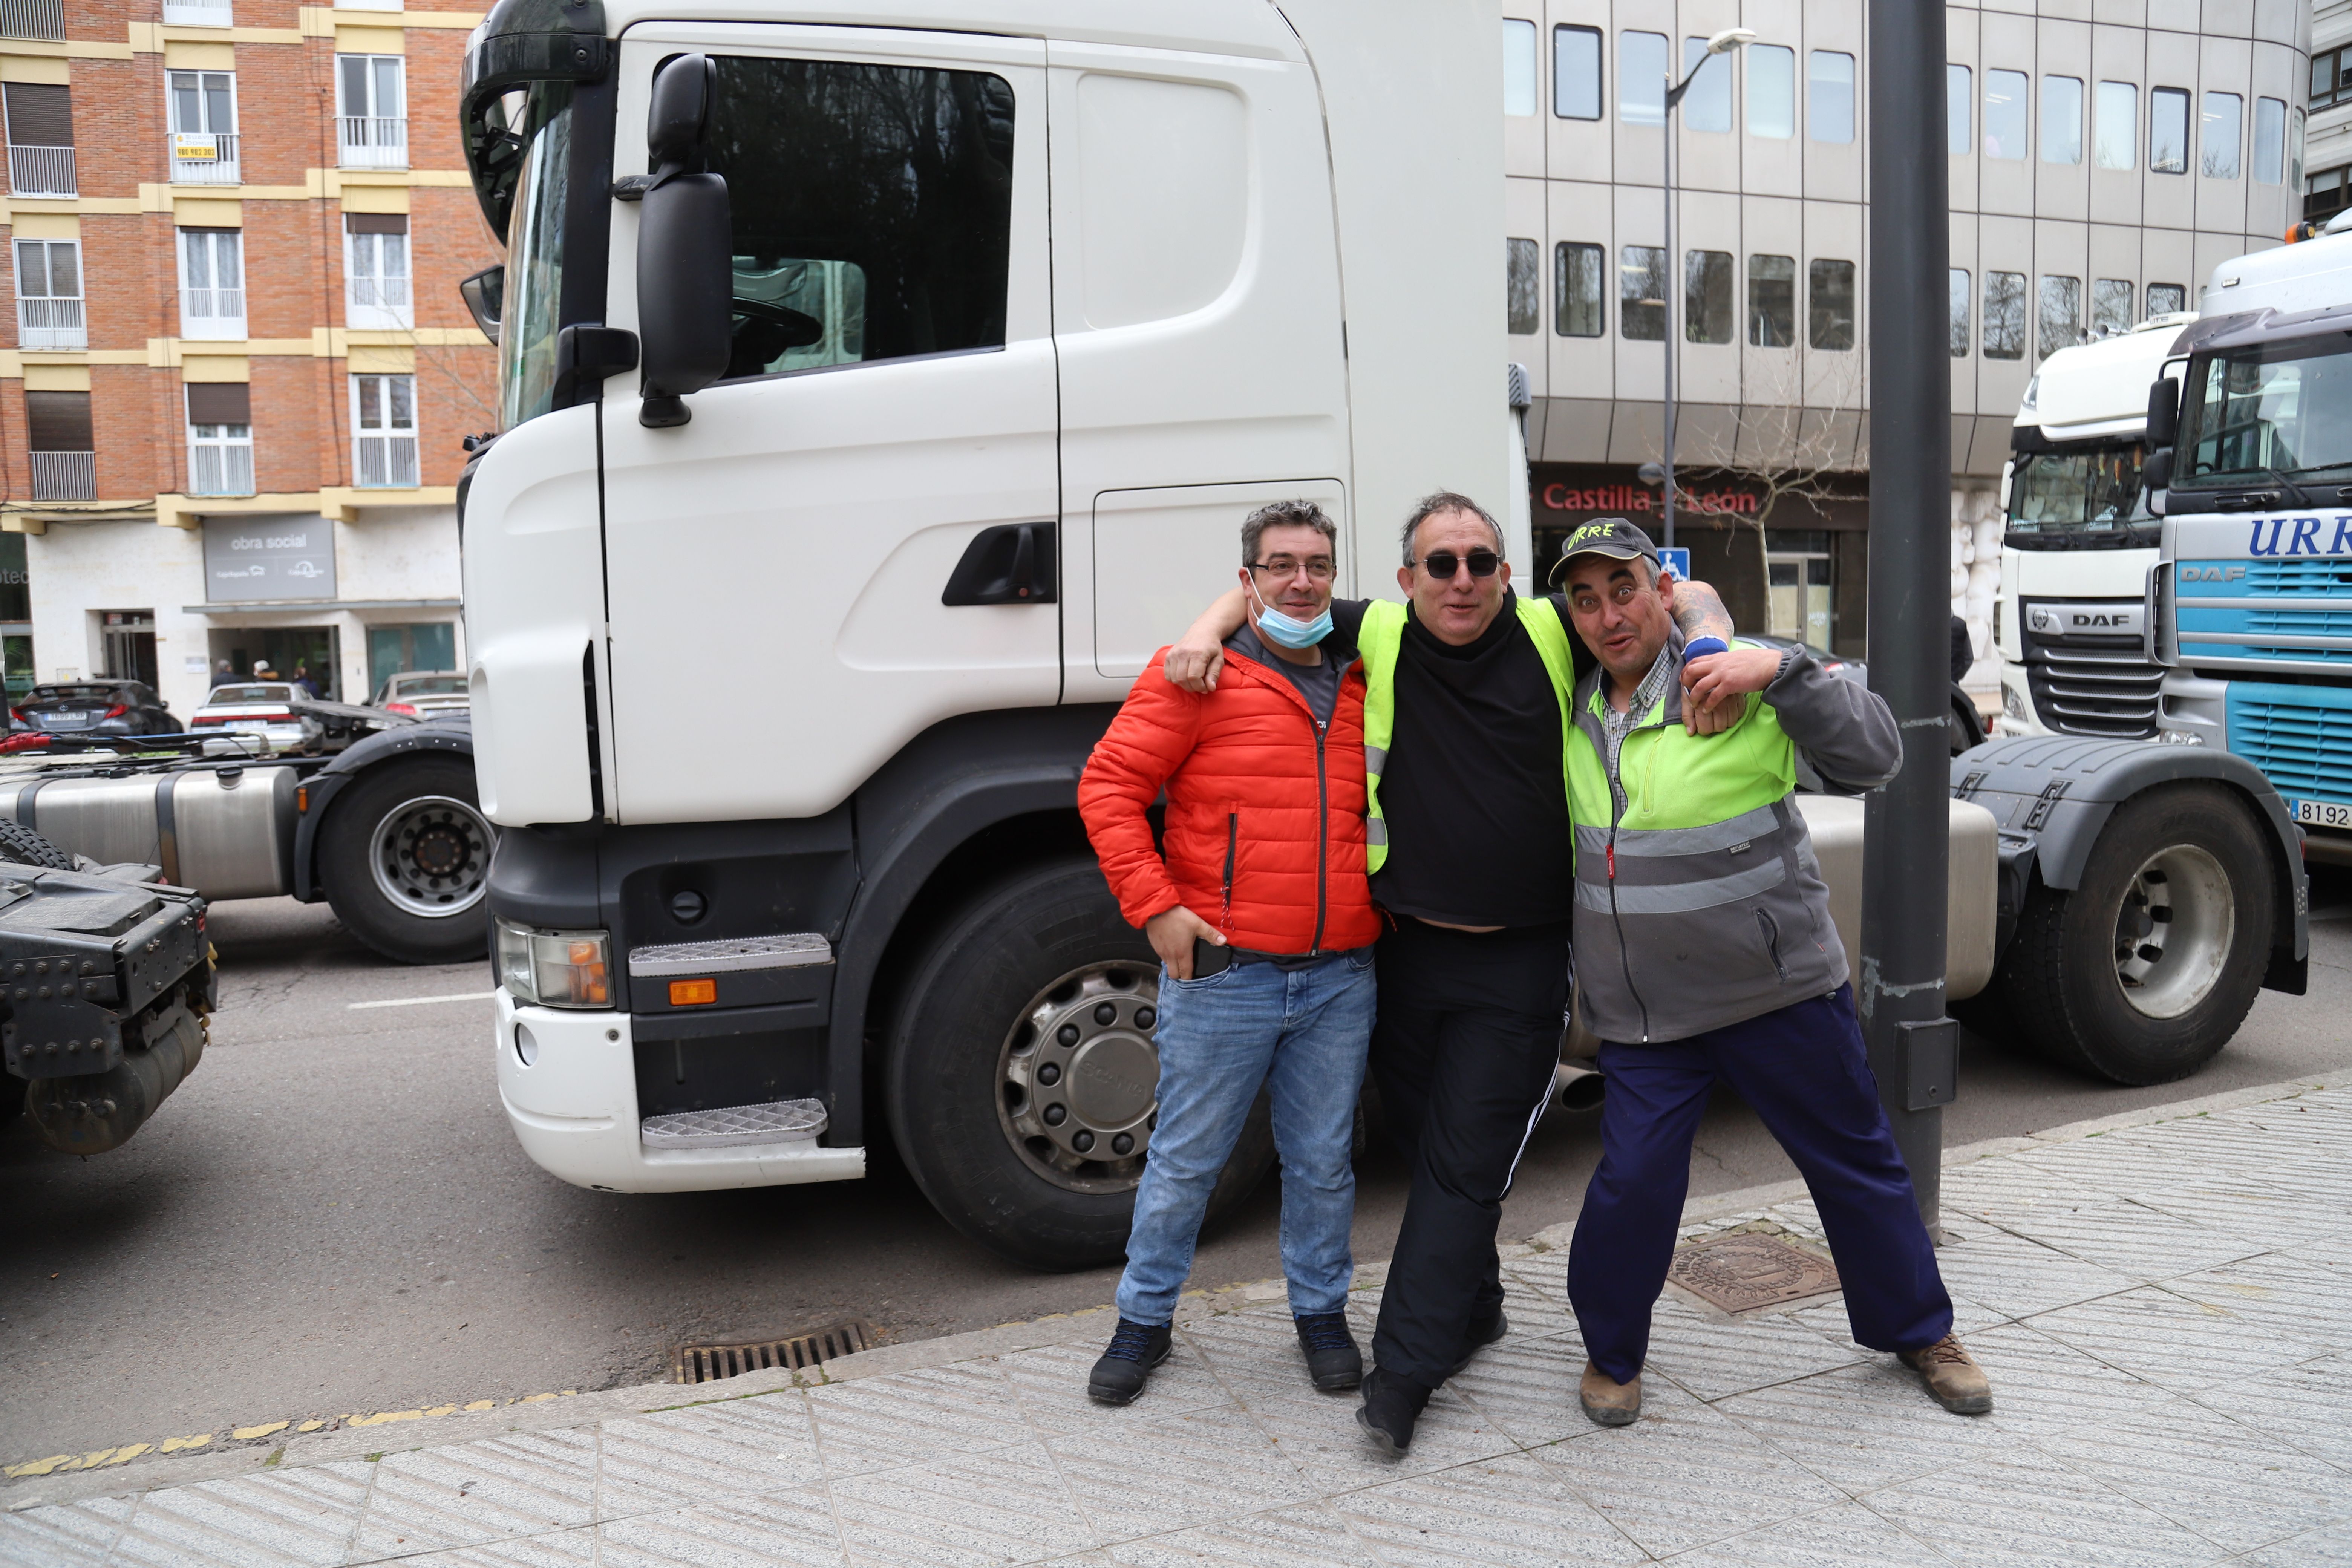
[1518, 67]
[33, 268]
[219, 114]
[1642, 78]
[2111, 305]
[2167, 129]
[2061, 324]
[1831, 319]
[187, 102]
[65, 268]
[351, 82]
[2294, 150]
[2322, 79]
[2115, 141]
[1524, 284]
[1577, 307]
[2061, 120]
[2004, 315]
[198, 257]
[371, 395]
[2270, 140]
[535, 258]
[2165, 299]
[2217, 139]
[401, 392]
[1772, 302]
[2005, 114]
[387, 87]
[1958, 89]
[1706, 296]
[1829, 96]
[1771, 91]
[1576, 73]
[1706, 102]
[1959, 317]
[392, 255]
[1642, 293]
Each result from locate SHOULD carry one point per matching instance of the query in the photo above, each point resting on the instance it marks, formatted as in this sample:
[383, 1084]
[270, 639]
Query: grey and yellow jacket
[1699, 902]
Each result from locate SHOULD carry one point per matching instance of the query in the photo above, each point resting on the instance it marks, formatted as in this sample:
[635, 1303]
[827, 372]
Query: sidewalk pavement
[2159, 1299]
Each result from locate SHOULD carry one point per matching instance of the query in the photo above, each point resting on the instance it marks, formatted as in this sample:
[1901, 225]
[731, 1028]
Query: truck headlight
[554, 968]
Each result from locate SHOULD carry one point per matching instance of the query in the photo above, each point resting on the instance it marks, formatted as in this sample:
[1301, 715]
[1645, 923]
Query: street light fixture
[1722, 43]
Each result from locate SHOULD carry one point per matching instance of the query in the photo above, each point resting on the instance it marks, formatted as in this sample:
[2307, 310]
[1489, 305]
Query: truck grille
[2303, 746]
[2297, 576]
[2093, 691]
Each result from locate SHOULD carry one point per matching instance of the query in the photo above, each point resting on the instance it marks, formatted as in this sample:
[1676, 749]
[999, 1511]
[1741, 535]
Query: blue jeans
[1303, 1035]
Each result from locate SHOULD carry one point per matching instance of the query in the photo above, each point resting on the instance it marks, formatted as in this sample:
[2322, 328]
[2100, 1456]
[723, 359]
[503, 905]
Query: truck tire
[405, 854]
[21, 846]
[1014, 1072]
[2144, 972]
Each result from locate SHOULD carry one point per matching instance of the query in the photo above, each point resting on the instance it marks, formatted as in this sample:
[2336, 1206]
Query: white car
[426, 694]
[271, 708]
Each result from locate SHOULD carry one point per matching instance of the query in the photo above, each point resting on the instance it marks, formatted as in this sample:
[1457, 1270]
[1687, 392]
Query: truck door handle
[1008, 563]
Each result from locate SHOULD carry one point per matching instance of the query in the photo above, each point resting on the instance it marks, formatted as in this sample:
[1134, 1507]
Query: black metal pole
[1899, 989]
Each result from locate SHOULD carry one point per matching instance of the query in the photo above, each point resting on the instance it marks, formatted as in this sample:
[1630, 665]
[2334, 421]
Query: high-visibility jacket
[1379, 640]
[1700, 901]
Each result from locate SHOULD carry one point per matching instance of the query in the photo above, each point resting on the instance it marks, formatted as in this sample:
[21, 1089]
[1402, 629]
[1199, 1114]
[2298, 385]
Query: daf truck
[880, 388]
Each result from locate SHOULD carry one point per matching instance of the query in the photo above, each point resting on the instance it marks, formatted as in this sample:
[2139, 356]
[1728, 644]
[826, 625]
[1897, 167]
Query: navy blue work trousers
[1802, 1070]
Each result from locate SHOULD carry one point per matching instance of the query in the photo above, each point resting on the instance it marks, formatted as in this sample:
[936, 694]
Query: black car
[103, 706]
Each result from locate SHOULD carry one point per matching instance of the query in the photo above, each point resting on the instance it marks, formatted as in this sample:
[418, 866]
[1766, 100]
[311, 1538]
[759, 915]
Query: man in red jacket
[1259, 909]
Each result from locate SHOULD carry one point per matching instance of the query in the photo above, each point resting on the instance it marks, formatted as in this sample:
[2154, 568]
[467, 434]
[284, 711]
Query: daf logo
[2083, 620]
[2212, 574]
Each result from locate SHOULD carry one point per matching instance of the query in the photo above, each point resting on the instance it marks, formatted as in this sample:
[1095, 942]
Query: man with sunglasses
[1471, 846]
[1254, 901]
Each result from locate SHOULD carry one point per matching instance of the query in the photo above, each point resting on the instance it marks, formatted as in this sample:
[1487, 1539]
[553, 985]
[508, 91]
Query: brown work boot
[1954, 1379]
[1607, 1401]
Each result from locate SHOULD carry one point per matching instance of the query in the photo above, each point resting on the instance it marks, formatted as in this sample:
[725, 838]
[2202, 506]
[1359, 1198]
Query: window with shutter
[220, 438]
[375, 271]
[40, 139]
[64, 460]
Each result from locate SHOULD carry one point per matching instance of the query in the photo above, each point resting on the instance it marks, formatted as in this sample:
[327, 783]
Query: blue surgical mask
[1289, 631]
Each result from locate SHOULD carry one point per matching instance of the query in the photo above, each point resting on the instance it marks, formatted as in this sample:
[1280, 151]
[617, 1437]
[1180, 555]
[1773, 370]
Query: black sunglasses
[1443, 563]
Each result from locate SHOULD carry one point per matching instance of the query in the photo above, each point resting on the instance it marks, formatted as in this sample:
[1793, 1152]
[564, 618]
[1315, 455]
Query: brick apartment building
[240, 370]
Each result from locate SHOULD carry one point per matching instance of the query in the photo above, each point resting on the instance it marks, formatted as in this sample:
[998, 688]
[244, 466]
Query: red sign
[1630, 498]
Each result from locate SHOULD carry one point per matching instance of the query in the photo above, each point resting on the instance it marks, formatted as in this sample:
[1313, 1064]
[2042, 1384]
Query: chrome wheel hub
[431, 856]
[1078, 1078]
[2174, 930]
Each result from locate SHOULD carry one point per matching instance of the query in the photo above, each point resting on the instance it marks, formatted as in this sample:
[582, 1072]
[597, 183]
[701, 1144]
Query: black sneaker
[1481, 1335]
[1390, 1407]
[1333, 1362]
[1124, 1368]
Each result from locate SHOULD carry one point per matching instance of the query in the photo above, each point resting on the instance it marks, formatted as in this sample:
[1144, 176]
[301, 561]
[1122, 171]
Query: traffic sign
[1676, 560]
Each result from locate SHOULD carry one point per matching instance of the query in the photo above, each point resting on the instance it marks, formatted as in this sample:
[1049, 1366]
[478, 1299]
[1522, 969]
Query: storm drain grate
[709, 1362]
[1745, 1270]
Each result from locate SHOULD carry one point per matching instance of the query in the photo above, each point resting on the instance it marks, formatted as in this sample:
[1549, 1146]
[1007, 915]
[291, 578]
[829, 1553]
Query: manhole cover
[1745, 1270]
[709, 1362]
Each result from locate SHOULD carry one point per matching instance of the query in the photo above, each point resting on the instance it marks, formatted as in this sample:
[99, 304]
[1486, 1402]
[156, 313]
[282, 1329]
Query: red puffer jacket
[1265, 830]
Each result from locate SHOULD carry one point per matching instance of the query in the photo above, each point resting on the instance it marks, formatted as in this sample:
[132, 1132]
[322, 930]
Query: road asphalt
[331, 1217]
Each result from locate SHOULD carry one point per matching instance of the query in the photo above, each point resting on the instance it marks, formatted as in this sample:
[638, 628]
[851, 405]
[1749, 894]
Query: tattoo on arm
[1699, 612]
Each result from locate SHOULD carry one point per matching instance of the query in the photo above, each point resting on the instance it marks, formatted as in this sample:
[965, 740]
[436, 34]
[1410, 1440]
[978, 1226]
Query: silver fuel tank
[228, 833]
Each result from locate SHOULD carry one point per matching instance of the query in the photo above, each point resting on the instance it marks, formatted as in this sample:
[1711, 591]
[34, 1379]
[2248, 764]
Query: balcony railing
[44, 19]
[50, 325]
[220, 469]
[386, 461]
[379, 293]
[197, 13]
[204, 158]
[212, 312]
[42, 172]
[65, 476]
[373, 140]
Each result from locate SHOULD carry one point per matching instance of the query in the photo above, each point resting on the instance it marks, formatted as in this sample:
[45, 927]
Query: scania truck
[881, 386]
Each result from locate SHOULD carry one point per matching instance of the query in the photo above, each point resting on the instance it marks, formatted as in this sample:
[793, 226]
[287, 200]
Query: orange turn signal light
[693, 993]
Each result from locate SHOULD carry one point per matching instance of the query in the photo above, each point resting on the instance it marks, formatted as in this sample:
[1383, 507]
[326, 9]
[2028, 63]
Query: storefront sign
[1630, 501]
[269, 558]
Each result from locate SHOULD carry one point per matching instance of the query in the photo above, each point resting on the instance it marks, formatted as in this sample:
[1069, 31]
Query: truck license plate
[2323, 814]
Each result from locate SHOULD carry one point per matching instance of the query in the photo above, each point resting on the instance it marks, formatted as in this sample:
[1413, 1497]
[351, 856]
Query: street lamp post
[1722, 43]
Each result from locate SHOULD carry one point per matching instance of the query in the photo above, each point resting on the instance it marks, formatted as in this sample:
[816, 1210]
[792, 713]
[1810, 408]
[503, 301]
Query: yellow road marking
[174, 1444]
[245, 1434]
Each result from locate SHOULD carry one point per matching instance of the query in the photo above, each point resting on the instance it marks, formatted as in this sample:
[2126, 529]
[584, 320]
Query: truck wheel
[2143, 973]
[1020, 1072]
[405, 857]
[21, 846]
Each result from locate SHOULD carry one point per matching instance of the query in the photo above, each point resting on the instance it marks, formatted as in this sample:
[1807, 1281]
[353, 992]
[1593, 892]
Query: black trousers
[1463, 1053]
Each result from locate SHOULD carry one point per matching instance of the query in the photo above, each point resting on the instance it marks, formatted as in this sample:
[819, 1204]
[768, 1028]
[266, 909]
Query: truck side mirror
[2157, 472]
[685, 248]
[2163, 412]
[485, 294]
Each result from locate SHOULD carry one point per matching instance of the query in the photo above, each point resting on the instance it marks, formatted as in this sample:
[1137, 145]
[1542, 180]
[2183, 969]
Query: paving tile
[1514, 1512]
[560, 1549]
[1527, 1388]
[1713, 1359]
[1862, 1427]
[1050, 1382]
[2015, 1277]
[63, 1535]
[1311, 1536]
[651, 1463]
[781, 1530]
[293, 1516]
[1829, 1320]
[2278, 1292]
[2320, 1549]
[1847, 1535]
[909, 1417]
[2306, 1405]
[1685, 1475]
[1322, 1438]
[2040, 1385]
[524, 1483]
[2112, 1162]
[2145, 1243]
[2001, 1185]
[2230, 1484]
[1170, 1471]
[2168, 1340]
[1251, 1358]
[2272, 1211]
[2026, 1510]
[1007, 1506]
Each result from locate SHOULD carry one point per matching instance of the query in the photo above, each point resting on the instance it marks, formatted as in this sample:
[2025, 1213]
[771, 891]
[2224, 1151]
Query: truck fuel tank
[226, 832]
[1971, 897]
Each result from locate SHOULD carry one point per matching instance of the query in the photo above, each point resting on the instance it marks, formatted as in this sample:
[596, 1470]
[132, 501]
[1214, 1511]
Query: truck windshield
[535, 257]
[2085, 496]
[2270, 411]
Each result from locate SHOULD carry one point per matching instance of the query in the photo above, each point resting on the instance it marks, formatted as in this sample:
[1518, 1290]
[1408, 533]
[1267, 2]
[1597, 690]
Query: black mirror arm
[586, 355]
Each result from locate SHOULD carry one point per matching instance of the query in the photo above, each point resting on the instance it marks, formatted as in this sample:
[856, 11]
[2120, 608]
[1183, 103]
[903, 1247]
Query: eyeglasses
[1318, 570]
[1444, 563]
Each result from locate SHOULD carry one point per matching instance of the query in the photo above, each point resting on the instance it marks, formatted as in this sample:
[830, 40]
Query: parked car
[101, 706]
[424, 693]
[276, 709]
